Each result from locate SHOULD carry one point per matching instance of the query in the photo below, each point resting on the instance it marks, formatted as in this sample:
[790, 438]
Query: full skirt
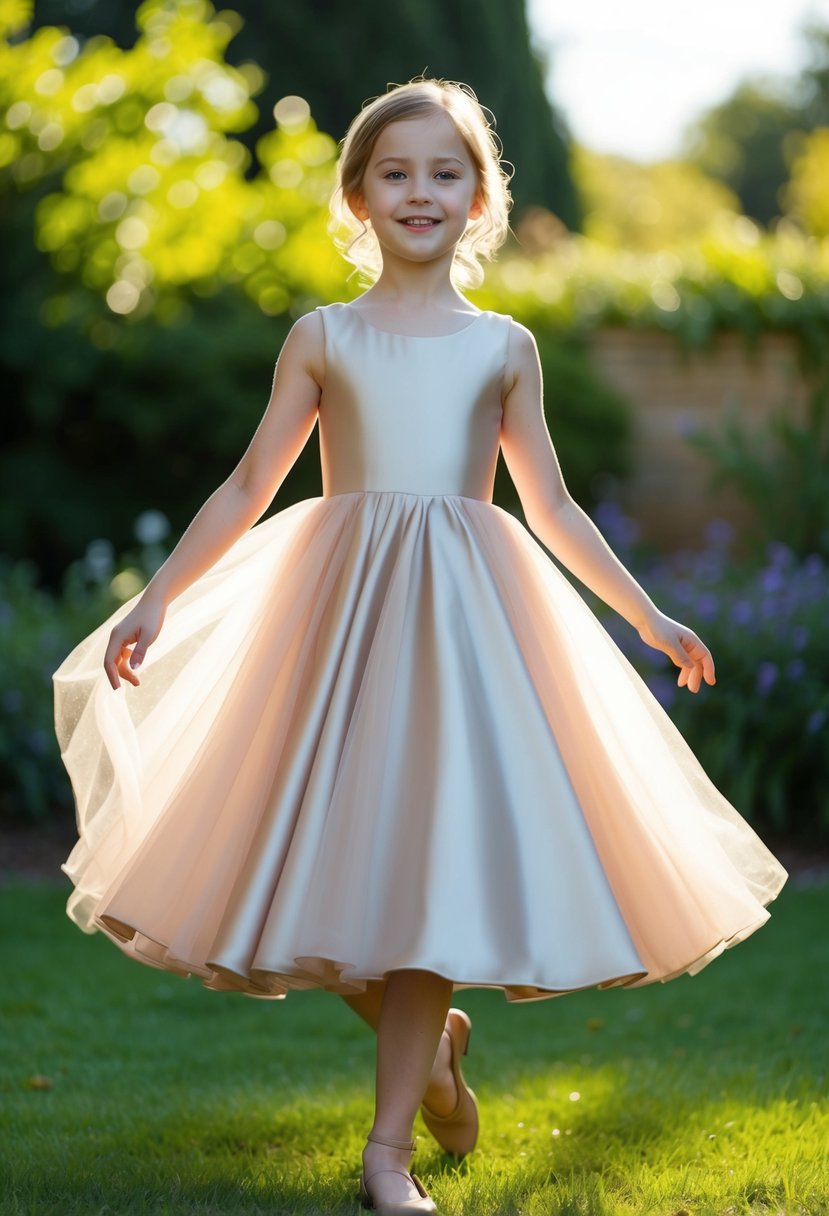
[384, 731]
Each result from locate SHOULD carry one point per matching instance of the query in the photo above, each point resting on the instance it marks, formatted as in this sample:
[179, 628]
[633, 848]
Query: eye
[447, 173]
[394, 174]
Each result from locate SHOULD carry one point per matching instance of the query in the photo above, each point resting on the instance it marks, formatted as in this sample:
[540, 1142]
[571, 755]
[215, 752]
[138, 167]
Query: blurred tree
[119, 351]
[135, 377]
[337, 56]
[148, 190]
[742, 143]
[814, 79]
[806, 196]
[651, 207]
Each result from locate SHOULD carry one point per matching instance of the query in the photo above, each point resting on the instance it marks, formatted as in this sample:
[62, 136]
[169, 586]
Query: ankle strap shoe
[424, 1205]
[457, 1132]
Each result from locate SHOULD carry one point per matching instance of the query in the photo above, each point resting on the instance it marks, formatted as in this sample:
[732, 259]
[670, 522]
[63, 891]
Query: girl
[380, 745]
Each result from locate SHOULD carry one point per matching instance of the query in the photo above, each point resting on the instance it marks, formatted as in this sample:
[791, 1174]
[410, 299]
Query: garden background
[164, 172]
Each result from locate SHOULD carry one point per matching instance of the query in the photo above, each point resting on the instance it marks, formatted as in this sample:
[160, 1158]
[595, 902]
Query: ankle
[394, 1140]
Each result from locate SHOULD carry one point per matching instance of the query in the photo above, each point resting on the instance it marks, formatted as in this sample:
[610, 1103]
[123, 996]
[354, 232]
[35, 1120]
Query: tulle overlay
[385, 731]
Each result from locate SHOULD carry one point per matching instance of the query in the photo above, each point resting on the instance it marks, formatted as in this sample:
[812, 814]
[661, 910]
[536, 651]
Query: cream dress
[385, 731]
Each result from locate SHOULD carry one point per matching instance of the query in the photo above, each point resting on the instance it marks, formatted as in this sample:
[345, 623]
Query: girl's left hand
[683, 646]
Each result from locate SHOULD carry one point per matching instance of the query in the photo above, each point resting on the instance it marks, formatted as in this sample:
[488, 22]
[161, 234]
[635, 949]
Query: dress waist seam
[407, 494]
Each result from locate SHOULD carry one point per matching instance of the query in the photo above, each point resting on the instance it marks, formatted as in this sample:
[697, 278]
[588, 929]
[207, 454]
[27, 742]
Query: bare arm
[239, 501]
[567, 531]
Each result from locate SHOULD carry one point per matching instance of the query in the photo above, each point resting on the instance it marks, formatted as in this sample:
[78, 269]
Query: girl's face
[419, 189]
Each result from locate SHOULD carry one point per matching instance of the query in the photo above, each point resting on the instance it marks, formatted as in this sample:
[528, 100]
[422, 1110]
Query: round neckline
[415, 337]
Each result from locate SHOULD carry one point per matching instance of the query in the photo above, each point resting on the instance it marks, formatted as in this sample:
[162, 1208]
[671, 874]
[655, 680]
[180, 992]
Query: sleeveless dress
[385, 731]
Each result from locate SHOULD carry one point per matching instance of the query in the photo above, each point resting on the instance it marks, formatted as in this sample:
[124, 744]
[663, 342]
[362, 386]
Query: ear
[357, 207]
[477, 208]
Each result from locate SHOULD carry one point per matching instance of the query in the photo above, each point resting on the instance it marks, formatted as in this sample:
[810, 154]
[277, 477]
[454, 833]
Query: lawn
[126, 1091]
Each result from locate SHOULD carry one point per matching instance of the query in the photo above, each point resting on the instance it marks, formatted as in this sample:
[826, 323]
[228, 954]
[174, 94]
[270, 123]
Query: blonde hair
[421, 97]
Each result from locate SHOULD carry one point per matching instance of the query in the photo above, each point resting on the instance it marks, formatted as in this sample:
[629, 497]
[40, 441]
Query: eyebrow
[405, 159]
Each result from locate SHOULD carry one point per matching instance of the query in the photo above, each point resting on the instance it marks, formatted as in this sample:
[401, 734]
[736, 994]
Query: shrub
[780, 471]
[37, 630]
[761, 731]
[589, 422]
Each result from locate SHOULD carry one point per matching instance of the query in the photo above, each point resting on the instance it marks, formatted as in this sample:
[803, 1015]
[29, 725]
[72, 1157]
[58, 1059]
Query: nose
[419, 192]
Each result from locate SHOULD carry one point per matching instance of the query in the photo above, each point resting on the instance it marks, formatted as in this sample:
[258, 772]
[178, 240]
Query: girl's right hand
[683, 646]
[139, 628]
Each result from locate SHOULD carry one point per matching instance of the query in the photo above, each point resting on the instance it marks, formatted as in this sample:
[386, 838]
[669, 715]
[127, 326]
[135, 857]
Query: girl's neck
[403, 286]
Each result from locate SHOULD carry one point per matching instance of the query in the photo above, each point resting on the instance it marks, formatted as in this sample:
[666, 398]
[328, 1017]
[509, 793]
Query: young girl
[380, 745]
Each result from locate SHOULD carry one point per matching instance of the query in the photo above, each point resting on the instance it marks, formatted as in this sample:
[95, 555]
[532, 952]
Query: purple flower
[719, 533]
[815, 721]
[813, 565]
[742, 612]
[800, 636]
[708, 605]
[779, 554]
[709, 566]
[637, 648]
[795, 668]
[771, 579]
[617, 528]
[766, 677]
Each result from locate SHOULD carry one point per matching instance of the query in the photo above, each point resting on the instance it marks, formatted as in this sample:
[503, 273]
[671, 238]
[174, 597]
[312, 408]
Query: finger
[702, 658]
[127, 672]
[703, 661]
[112, 659]
[116, 646]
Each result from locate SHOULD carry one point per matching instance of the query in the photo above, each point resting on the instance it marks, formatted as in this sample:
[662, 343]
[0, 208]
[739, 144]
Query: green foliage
[157, 420]
[646, 207]
[319, 51]
[589, 422]
[37, 631]
[742, 142]
[32, 633]
[157, 1097]
[781, 470]
[813, 83]
[152, 192]
[733, 277]
[806, 197]
[761, 731]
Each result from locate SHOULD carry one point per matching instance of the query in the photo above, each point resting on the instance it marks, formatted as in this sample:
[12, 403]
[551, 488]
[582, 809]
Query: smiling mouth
[419, 222]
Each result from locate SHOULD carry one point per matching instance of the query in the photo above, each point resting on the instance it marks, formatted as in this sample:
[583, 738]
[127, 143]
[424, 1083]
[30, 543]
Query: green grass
[702, 1096]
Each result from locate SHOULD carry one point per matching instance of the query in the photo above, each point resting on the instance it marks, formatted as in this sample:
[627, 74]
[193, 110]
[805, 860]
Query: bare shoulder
[522, 355]
[305, 345]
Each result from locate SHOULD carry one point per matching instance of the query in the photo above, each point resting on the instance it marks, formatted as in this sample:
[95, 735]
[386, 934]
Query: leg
[369, 1003]
[412, 1017]
[441, 1094]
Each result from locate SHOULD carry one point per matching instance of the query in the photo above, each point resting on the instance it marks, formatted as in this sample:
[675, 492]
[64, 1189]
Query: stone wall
[672, 391]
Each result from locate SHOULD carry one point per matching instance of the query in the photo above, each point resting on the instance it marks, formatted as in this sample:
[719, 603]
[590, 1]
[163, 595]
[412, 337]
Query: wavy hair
[420, 97]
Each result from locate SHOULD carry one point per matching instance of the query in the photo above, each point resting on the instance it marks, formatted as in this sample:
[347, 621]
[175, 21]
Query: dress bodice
[414, 414]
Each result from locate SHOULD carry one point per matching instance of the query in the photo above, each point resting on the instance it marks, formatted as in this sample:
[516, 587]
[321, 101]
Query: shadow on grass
[166, 1099]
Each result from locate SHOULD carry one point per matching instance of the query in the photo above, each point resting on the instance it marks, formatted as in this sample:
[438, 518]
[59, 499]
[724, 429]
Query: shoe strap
[409, 1144]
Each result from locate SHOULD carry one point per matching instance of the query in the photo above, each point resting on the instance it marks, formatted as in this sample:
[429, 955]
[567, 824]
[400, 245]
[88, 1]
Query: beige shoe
[402, 1207]
[456, 1132]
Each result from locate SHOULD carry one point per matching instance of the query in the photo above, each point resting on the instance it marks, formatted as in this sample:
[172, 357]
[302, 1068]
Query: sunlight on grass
[704, 1096]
